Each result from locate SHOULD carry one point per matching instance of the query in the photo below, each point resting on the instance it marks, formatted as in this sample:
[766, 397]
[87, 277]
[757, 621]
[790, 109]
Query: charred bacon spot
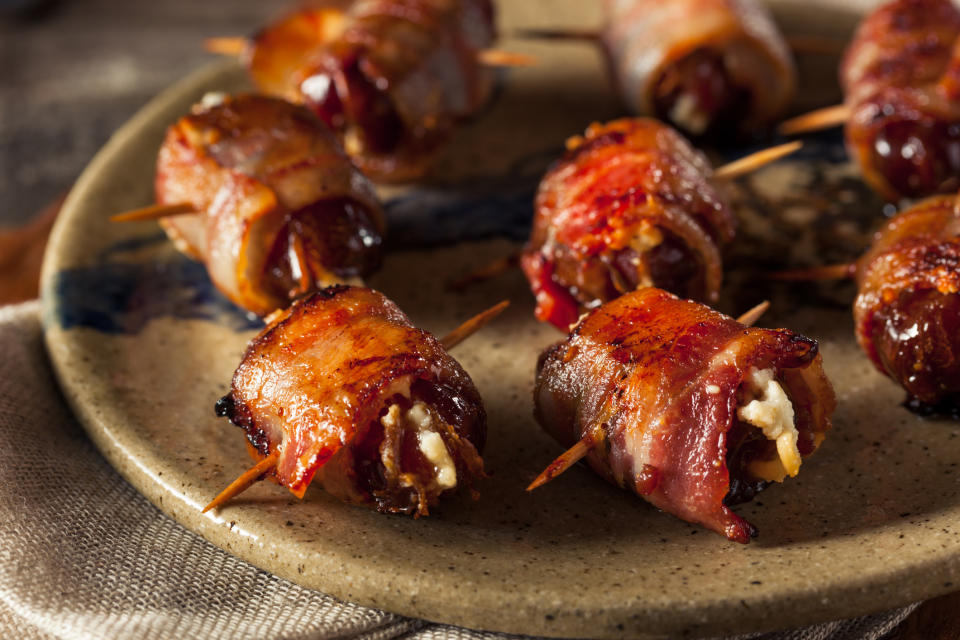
[224, 406]
[331, 292]
[948, 407]
[258, 439]
[586, 146]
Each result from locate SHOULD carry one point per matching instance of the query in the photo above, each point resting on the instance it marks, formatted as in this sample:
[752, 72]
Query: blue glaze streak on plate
[487, 207]
[122, 296]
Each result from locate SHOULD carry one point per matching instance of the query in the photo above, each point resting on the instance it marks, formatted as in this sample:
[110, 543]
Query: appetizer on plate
[901, 79]
[706, 66]
[267, 200]
[907, 311]
[686, 407]
[392, 78]
[631, 204]
[341, 388]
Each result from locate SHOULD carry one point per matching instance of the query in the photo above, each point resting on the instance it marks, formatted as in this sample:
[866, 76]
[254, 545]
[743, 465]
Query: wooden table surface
[73, 72]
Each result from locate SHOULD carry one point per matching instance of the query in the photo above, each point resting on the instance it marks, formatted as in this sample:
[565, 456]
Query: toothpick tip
[751, 316]
[816, 120]
[228, 46]
[153, 212]
[756, 161]
[472, 325]
[499, 58]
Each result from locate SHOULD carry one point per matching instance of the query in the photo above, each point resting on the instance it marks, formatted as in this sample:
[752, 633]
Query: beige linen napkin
[83, 555]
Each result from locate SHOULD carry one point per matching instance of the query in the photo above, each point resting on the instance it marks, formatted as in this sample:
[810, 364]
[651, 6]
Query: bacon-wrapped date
[907, 311]
[630, 204]
[901, 77]
[685, 406]
[391, 77]
[281, 210]
[345, 390]
[707, 66]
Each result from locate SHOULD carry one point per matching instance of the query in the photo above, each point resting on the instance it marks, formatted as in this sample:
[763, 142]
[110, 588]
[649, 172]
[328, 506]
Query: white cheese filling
[648, 237]
[686, 113]
[429, 440]
[771, 411]
[212, 99]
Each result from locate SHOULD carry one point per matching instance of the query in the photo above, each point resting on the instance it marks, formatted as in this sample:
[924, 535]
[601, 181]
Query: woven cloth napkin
[83, 555]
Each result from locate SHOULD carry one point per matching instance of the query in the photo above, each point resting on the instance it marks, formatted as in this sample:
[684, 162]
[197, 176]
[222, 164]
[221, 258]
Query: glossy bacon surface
[630, 204]
[391, 77]
[282, 210]
[317, 386]
[901, 76]
[707, 66]
[907, 311]
[654, 381]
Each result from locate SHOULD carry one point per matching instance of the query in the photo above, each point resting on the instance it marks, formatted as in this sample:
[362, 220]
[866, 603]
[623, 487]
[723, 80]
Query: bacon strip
[262, 171]
[391, 77]
[654, 383]
[327, 385]
[907, 311]
[707, 66]
[630, 204]
[901, 77]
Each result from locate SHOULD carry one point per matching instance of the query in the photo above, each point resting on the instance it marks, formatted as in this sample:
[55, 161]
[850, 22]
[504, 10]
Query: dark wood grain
[21, 255]
[937, 619]
[76, 71]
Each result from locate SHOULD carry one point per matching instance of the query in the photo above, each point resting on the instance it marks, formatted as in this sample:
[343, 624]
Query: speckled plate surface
[143, 346]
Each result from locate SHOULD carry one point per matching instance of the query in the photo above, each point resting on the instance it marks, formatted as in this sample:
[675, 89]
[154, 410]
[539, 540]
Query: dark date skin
[917, 339]
[339, 235]
[384, 487]
[670, 265]
[350, 100]
[919, 157]
[745, 443]
[907, 309]
[703, 76]
[899, 77]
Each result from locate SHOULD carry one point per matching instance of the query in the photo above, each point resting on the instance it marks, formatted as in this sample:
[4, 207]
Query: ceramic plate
[143, 346]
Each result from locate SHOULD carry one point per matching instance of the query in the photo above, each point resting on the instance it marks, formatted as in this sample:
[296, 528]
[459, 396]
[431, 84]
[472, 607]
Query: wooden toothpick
[473, 325]
[754, 314]
[244, 482]
[154, 212]
[563, 462]
[755, 161]
[815, 120]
